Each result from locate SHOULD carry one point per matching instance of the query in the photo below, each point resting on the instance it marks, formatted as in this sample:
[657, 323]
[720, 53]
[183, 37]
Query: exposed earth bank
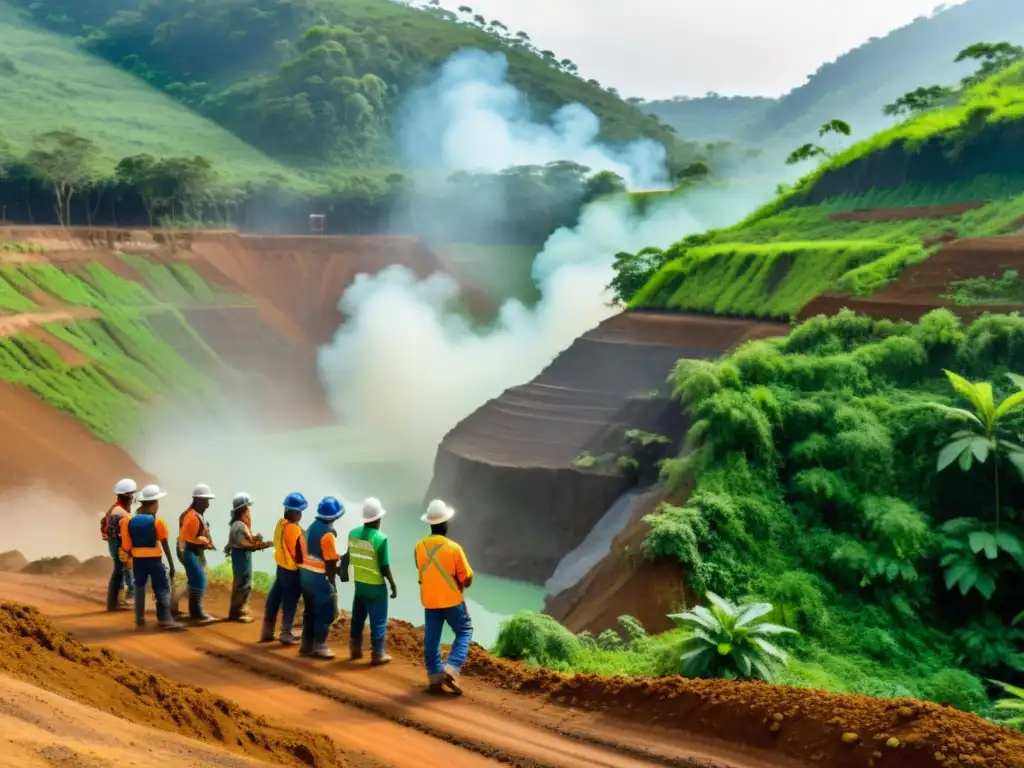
[511, 714]
[514, 461]
[276, 302]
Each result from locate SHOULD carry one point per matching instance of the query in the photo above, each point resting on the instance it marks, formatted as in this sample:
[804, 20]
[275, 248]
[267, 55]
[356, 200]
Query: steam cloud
[471, 118]
[405, 366]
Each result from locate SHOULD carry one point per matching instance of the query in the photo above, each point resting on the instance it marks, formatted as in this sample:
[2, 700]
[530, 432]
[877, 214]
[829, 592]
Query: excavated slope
[510, 463]
[919, 288]
[278, 304]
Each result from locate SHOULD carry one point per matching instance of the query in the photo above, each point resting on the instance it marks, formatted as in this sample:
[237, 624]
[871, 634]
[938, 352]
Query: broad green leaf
[764, 670]
[966, 460]
[949, 453]
[771, 649]
[980, 446]
[949, 559]
[986, 585]
[968, 580]
[960, 413]
[984, 402]
[751, 612]
[983, 540]
[953, 575]
[1012, 403]
[1016, 379]
[1011, 689]
[722, 604]
[742, 663]
[773, 629]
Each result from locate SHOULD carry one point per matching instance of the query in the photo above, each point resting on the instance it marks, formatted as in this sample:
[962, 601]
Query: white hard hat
[240, 500]
[202, 491]
[124, 487]
[438, 512]
[151, 493]
[373, 510]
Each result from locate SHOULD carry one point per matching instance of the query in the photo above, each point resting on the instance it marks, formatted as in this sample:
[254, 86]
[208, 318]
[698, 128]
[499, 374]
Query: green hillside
[50, 83]
[792, 250]
[857, 84]
[316, 82]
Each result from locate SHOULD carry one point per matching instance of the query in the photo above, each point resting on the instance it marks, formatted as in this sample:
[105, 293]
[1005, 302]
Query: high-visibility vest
[309, 545]
[282, 556]
[363, 556]
[436, 557]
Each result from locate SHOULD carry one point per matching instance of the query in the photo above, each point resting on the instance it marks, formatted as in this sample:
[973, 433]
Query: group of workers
[309, 564]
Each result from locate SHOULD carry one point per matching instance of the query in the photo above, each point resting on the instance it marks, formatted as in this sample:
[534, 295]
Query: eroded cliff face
[509, 466]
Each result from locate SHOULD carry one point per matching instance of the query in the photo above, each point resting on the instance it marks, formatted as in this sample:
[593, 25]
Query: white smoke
[471, 118]
[406, 367]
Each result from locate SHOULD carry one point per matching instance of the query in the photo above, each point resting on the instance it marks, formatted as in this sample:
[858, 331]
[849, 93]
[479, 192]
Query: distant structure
[316, 223]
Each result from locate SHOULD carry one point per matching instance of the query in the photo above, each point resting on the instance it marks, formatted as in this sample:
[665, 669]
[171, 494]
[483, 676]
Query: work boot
[267, 633]
[451, 681]
[306, 650]
[195, 609]
[171, 625]
[355, 652]
[287, 638]
[321, 651]
[379, 660]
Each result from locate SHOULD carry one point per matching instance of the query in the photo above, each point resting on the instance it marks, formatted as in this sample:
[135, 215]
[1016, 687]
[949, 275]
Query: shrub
[537, 637]
[955, 688]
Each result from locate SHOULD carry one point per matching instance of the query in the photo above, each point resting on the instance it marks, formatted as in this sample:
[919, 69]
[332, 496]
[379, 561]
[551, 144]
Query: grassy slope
[783, 256]
[55, 85]
[139, 349]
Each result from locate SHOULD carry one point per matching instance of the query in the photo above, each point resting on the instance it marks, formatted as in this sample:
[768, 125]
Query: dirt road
[382, 713]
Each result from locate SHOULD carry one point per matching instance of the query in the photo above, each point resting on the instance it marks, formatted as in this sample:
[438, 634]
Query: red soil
[896, 214]
[511, 713]
[919, 288]
[33, 650]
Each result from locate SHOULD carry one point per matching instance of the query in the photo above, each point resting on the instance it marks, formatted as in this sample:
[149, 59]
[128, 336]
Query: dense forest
[312, 86]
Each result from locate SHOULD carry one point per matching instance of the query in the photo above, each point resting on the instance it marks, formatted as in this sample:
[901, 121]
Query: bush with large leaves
[729, 641]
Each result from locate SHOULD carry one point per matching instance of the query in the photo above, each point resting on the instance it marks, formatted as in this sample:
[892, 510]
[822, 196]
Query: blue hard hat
[329, 509]
[295, 501]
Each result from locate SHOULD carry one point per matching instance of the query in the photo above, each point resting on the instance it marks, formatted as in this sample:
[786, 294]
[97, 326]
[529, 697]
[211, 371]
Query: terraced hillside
[519, 461]
[101, 325]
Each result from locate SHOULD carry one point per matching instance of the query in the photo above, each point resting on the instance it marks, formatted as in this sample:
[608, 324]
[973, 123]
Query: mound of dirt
[32, 649]
[803, 724]
[512, 460]
[12, 560]
[53, 566]
[94, 567]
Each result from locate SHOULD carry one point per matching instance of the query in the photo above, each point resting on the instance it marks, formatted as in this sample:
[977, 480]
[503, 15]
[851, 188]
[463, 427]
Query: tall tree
[919, 100]
[64, 159]
[992, 58]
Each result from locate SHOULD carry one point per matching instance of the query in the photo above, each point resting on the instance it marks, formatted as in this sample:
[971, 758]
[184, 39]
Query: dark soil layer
[511, 461]
[899, 214]
[32, 649]
[919, 289]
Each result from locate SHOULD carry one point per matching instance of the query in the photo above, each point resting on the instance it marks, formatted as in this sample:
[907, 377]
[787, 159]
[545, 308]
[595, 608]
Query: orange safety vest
[438, 561]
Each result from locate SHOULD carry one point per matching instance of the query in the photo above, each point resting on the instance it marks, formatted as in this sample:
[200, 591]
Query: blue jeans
[151, 569]
[120, 576]
[457, 617]
[284, 597]
[241, 587]
[319, 609]
[377, 611]
[193, 562]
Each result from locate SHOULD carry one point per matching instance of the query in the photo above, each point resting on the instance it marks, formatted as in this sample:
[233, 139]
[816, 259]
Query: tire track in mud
[247, 660]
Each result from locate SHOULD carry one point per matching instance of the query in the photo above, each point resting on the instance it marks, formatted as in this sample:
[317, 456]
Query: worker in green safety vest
[371, 565]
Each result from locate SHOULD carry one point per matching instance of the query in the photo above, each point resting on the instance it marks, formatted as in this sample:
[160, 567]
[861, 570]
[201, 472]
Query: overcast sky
[662, 48]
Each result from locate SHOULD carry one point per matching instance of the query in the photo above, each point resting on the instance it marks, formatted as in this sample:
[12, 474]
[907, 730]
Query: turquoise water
[326, 461]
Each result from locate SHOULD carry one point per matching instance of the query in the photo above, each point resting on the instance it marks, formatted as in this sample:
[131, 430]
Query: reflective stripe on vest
[362, 555]
[431, 561]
